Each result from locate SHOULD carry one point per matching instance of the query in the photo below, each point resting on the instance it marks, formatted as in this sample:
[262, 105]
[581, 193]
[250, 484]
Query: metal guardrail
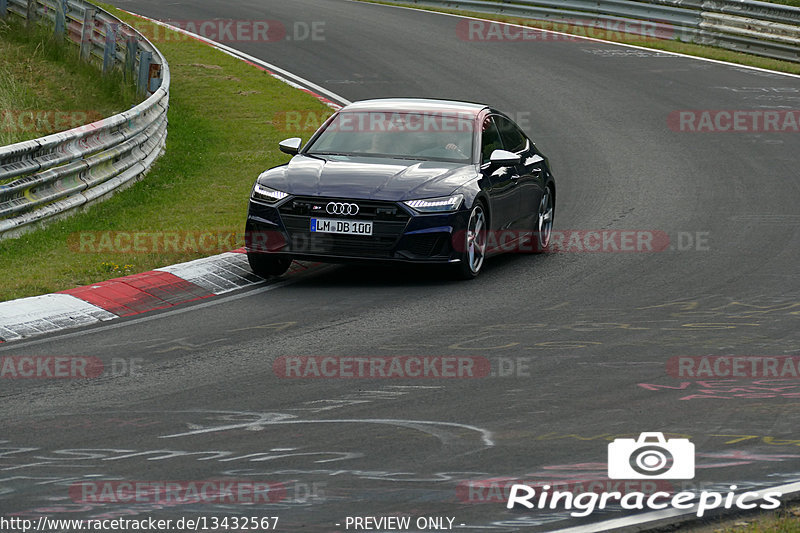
[750, 26]
[46, 178]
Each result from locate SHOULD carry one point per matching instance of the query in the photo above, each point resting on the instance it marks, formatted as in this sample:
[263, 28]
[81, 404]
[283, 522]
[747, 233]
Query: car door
[502, 180]
[530, 172]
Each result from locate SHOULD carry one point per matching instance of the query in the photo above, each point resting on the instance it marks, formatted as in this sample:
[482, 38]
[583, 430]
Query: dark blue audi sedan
[406, 180]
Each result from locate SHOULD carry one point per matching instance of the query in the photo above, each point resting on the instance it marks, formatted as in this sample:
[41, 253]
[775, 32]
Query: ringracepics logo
[650, 456]
[642, 458]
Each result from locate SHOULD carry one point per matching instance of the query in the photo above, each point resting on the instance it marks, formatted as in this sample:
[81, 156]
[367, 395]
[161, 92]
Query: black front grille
[367, 209]
[388, 223]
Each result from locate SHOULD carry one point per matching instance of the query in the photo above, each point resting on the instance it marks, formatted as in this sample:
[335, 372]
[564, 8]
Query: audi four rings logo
[339, 208]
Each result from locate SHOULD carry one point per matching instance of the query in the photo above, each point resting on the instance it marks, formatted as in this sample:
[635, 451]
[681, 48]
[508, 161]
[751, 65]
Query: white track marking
[277, 419]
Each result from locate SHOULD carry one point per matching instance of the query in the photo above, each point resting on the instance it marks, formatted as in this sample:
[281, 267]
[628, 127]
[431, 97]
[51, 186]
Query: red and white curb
[161, 288]
[28, 317]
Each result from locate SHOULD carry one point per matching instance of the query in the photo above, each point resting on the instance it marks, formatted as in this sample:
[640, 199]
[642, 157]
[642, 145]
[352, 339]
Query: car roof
[420, 105]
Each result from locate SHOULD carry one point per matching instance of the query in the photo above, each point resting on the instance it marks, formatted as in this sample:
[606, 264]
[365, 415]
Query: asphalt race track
[578, 342]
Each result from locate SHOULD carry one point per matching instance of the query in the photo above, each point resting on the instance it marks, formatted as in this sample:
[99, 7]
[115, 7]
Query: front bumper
[399, 234]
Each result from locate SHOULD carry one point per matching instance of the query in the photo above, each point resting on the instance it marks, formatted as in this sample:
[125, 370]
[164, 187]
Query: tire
[474, 254]
[544, 220]
[268, 265]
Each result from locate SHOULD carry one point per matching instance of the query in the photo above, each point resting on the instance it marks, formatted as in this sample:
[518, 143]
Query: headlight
[265, 194]
[437, 205]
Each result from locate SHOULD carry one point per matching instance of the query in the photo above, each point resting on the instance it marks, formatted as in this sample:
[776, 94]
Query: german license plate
[346, 227]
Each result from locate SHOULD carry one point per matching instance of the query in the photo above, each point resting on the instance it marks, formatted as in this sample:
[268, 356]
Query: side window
[490, 139]
[513, 139]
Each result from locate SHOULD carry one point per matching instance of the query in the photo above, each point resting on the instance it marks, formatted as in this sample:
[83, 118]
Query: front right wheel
[474, 245]
[544, 222]
[268, 265]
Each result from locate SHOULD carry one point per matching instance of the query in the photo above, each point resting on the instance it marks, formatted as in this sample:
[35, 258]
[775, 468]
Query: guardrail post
[131, 48]
[3, 8]
[61, 19]
[145, 58]
[31, 13]
[154, 77]
[110, 50]
[87, 31]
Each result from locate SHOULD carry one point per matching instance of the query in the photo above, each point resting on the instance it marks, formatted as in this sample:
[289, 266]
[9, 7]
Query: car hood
[367, 177]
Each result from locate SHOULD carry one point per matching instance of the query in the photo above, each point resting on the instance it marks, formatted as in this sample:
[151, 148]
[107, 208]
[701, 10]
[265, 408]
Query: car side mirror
[291, 146]
[503, 158]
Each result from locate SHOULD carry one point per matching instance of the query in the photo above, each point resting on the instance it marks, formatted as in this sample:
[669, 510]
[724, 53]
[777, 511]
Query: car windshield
[418, 136]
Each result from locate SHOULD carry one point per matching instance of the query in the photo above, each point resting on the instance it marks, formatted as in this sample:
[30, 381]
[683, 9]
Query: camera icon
[651, 456]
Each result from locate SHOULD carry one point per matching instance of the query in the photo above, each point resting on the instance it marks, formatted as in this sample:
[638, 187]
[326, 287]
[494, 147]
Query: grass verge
[44, 88]
[225, 122]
